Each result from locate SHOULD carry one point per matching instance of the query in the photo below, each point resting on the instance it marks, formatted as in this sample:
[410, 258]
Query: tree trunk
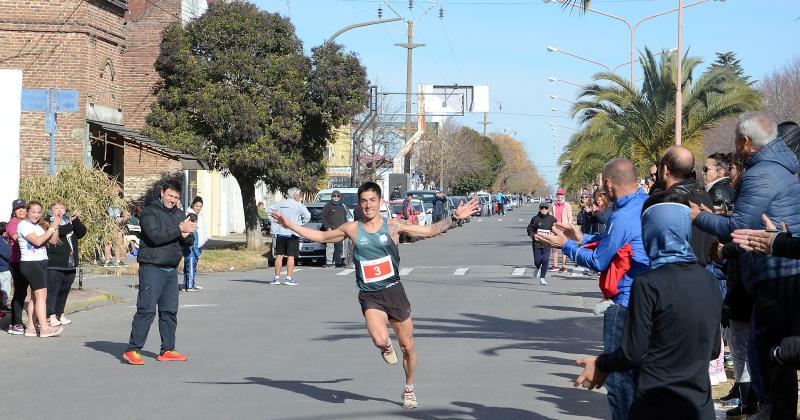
[247, 186]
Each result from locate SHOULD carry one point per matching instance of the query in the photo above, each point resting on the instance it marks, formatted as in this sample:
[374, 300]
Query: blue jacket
[769, 186]
[624, 227]
[5, 255]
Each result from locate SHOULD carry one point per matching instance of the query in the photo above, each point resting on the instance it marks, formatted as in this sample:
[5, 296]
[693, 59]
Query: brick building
[106, 50]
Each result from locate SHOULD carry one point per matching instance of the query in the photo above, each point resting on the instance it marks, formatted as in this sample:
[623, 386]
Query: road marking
[460, 271]
[345, 272]
[194, 305]
[520, 220]
[480, 220]
[406, 271]
[499, 220]
[518, 271]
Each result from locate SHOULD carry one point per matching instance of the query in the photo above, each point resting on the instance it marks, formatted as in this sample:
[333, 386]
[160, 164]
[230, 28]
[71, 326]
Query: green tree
[639, 122]
[484, 167]
[239, 93]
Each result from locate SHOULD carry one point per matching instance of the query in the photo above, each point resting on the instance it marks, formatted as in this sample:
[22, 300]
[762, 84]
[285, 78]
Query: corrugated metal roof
[188, 161]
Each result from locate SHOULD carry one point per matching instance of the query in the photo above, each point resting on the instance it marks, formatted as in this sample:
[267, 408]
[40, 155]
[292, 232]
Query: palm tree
[639, 121]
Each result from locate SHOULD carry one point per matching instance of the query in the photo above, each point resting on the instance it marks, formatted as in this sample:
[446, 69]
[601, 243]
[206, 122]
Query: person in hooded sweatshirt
[672, 329]
[542, 224]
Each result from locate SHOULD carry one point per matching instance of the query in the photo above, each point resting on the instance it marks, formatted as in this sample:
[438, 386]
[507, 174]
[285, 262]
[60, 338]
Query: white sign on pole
[10, 113]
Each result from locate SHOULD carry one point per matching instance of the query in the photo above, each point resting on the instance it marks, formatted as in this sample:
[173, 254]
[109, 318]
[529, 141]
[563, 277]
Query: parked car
[349, 196]
[486, 204]
[311, 251]
[426, 196]
[397, 211]
[422, 211]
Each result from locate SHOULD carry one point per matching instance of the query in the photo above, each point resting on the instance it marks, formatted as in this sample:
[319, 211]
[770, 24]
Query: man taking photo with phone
[165, 232]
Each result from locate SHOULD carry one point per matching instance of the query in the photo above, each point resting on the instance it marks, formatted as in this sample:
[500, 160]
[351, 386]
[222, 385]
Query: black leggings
[20, 293]
[541, 256]
[59, 283]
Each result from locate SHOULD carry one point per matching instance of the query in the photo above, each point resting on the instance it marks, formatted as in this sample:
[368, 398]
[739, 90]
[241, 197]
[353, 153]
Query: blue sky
[502, 43]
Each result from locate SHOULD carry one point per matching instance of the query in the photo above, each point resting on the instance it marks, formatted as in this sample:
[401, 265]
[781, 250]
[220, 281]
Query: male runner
[377, 260]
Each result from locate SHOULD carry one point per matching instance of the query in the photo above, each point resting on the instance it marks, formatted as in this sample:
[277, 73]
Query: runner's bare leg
[376, 327]
[278, 265]
[404, 331]
[289, 266]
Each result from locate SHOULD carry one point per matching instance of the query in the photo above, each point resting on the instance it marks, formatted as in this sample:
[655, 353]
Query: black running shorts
[392, 300]
[35, 273]
[289, 246]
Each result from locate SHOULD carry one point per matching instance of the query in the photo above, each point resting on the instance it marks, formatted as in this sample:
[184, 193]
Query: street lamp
[555, 79]
[563, 99]
[632, 29]
[558, 110]
[554, 49]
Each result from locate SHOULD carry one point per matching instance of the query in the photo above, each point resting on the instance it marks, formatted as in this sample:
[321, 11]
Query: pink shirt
[11, 230]
[559, 211]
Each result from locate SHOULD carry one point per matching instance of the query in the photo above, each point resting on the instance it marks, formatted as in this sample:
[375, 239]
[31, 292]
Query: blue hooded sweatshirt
[623, 228]
[769, 186]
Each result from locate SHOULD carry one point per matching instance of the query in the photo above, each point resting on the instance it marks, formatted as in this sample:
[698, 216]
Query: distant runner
[377, 261]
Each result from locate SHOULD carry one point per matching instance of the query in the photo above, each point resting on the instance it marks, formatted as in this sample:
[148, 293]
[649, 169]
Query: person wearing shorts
[33, 241]
[285, 242]
[377, 258]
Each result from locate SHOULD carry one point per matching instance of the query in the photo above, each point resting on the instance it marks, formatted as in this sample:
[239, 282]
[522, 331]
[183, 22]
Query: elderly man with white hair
[284, 241]
[769, 186]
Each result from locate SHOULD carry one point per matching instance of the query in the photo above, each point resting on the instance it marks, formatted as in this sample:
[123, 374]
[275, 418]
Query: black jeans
[59, 283]
[158, 289]
[777, 315]
[541, 257]
[20, 293]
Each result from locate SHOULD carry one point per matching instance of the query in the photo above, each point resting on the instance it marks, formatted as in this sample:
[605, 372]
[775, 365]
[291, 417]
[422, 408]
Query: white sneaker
[409, 398]
[543, 282]
[290, 282]
[64, 320]
[276, 281]
[714, 379]
[389, 355]
[53, 321]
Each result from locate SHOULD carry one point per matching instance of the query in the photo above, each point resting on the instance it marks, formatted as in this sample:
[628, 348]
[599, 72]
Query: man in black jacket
[334, 214]
[676, 170]
[165, 232]
[672, 329]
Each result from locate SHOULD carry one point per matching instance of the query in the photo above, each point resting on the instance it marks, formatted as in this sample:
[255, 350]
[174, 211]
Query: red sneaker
[133, 357]
[171, 356]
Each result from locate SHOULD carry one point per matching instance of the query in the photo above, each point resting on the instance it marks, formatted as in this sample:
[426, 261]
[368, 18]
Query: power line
[449, 44]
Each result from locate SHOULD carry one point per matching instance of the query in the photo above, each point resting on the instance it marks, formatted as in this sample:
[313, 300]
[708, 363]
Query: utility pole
[410, 45]
[485, 122]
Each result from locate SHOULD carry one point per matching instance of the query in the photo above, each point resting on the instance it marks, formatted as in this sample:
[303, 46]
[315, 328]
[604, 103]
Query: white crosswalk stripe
[406, 271]
[518, 271]
[460, 271]
[345, 272]
[520, 220]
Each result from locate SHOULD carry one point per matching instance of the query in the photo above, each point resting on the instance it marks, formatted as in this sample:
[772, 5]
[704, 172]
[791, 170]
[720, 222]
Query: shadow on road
[568, 335]
[307, 388]
[114, 349]
[566, 308]
[473, 412]
[573, 401]
[497, 243]
[252, 281]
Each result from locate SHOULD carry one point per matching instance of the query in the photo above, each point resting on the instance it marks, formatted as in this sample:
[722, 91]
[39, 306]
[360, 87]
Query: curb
[101, 299]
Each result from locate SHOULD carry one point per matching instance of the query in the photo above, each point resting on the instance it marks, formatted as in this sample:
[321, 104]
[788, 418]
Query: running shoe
[30, 332]
[562, 269]
[553, 267]
[51, 332]
[198, 287]
[389, 355]
[109, 263]
[409, 398]
[64, 320]
[53, 321]
[16, 329]
[133, 357]
[290, 282]
[122, 263]
[192, 289]
[543, 282]
[171, 356]
[5, 308]
[276, 281]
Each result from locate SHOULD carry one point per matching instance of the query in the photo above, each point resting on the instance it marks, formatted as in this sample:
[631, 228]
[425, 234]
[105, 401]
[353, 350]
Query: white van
[349, 196]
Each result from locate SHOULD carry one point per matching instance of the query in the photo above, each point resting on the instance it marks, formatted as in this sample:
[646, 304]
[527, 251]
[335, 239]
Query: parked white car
[424, 216]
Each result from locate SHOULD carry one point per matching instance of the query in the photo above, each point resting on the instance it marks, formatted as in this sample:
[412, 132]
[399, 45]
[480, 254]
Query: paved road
[492, 344]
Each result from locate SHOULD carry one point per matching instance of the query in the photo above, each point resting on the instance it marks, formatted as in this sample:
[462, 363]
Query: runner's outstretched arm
[463, 212]
[328, 236]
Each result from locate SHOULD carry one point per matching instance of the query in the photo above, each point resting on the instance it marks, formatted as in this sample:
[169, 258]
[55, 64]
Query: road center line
[460, 271]
[346, 272]
[406, 271]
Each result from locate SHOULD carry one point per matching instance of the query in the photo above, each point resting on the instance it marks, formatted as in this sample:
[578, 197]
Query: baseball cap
[544, 206]
[336, 192]
[560, 191]
[18, 204]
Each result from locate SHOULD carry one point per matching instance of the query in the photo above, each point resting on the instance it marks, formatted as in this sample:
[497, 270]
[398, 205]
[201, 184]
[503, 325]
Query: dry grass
[89, 190]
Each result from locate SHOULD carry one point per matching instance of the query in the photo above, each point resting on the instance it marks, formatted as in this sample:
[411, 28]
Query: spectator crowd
[687, 266]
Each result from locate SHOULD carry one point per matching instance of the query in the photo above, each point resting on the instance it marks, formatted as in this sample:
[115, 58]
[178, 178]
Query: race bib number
[543, 232]
[376, 270]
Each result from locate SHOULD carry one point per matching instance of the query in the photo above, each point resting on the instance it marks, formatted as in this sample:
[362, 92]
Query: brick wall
[144, 170]
[68, 44]
[144, 30]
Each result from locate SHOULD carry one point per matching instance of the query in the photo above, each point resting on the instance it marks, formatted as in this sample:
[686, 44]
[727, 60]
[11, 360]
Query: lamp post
[556, 79]
[554, 97]
[554, 49]
[563, 112]
[632, 29]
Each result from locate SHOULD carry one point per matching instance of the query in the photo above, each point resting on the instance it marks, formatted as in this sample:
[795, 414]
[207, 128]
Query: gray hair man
[284, 241]
[769, 186]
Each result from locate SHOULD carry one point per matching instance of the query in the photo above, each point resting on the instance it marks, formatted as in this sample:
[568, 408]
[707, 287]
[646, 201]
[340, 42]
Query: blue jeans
[619, 385]
[190, 257]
